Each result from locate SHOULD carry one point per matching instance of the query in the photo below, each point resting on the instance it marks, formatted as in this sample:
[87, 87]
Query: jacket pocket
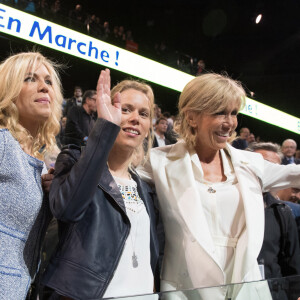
[74, 280]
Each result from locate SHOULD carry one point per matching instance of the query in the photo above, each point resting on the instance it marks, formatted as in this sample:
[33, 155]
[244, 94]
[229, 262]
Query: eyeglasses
[93, 99]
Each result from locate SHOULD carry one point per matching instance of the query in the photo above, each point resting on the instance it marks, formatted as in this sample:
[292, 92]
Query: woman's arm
[77, 174]
[277, 177]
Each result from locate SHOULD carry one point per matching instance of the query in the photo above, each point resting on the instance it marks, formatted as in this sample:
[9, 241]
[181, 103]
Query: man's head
[77, 92]
[157, 111]
[89, 101]
[244, 133]
[78, 7]
[289, 148]
[161, 125]
[290, 194]
[269, 151]
[251, 138]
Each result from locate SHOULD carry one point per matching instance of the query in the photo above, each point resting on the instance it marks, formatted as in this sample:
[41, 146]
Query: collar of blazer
[238, 157]
[248, 168]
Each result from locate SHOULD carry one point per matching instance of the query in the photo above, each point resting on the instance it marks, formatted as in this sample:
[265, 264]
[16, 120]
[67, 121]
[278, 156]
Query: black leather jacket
[93, 224]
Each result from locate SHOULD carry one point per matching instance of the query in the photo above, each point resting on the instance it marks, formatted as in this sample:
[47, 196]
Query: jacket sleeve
[77, 176]
[277, 177]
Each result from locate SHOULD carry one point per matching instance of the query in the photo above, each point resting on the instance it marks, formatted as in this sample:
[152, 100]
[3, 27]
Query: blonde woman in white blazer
[211, 194]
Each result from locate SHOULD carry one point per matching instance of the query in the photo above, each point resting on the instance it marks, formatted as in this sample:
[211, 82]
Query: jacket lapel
[181, 177]
[108, 184]
[250, 241]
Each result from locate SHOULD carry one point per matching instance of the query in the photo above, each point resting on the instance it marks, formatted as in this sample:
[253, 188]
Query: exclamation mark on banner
[117, 57]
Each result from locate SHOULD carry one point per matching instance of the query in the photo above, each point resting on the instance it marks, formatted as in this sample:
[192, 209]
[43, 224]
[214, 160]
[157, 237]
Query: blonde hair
[147, 90]
[12, 74]
[208, 93]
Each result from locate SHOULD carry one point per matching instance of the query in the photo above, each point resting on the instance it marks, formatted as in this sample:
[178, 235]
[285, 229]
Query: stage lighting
[258, 18]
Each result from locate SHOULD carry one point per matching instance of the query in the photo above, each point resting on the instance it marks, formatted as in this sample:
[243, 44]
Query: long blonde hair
[208, 93]
[12, 75]
[147, 90]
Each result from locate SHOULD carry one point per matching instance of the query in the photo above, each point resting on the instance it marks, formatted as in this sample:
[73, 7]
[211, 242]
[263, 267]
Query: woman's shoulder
[177, 149]
[6, 138]
[243, 155]
[9, 147]
[4, 131]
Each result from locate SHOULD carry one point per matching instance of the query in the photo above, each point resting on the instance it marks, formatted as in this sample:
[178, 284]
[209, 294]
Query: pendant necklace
[135, 262]
[134, 257]
[211, 190]
[134, 197]
[131, 192]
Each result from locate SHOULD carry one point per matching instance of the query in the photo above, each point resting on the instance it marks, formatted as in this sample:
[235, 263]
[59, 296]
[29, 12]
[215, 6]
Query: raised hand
[106, 108]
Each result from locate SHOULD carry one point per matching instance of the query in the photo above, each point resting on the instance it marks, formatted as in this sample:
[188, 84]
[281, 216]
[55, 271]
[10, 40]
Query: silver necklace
[211, 190]
[134, 197]
[135, 262]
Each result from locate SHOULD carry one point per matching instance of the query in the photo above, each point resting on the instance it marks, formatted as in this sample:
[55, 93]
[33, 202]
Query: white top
[224, 211]
[160, 140]
[129, 278]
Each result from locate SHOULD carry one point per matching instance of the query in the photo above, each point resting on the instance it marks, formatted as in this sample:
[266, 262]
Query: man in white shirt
[159, 134]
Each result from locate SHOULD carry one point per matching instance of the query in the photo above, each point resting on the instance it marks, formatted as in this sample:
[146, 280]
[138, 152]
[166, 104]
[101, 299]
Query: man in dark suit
[76, 100]
[160, 131]
[81, 119]
[241, 141]
[288, 150]
[280, 253]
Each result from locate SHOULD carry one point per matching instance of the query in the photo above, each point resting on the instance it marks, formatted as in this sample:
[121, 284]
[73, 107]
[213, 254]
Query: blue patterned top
[20, 202]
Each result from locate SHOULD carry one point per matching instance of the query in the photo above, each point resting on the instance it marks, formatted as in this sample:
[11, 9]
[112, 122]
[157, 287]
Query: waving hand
[107, 108]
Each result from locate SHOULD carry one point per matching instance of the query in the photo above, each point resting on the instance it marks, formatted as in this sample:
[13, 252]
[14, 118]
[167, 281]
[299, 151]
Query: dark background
[223, 33]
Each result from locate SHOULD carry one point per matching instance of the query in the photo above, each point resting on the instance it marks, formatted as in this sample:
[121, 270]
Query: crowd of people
[88, 22]
[134, 200]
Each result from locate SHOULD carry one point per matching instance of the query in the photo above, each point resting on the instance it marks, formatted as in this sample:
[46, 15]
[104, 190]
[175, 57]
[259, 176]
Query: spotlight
[258, 18]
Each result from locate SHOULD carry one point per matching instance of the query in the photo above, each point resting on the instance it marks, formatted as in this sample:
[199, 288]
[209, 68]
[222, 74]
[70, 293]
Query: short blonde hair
[12, 75]
[147, 90]
[208, 93]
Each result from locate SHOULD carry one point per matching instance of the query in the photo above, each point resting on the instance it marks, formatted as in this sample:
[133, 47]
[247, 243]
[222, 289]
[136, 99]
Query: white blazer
[189, 257]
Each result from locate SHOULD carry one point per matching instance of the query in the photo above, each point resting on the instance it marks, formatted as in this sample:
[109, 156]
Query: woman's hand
[106, 108]
[47, 180]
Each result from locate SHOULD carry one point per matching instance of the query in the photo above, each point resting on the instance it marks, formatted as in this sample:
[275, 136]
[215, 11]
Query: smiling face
[214, 130]
[135, 123]
[36, 96]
